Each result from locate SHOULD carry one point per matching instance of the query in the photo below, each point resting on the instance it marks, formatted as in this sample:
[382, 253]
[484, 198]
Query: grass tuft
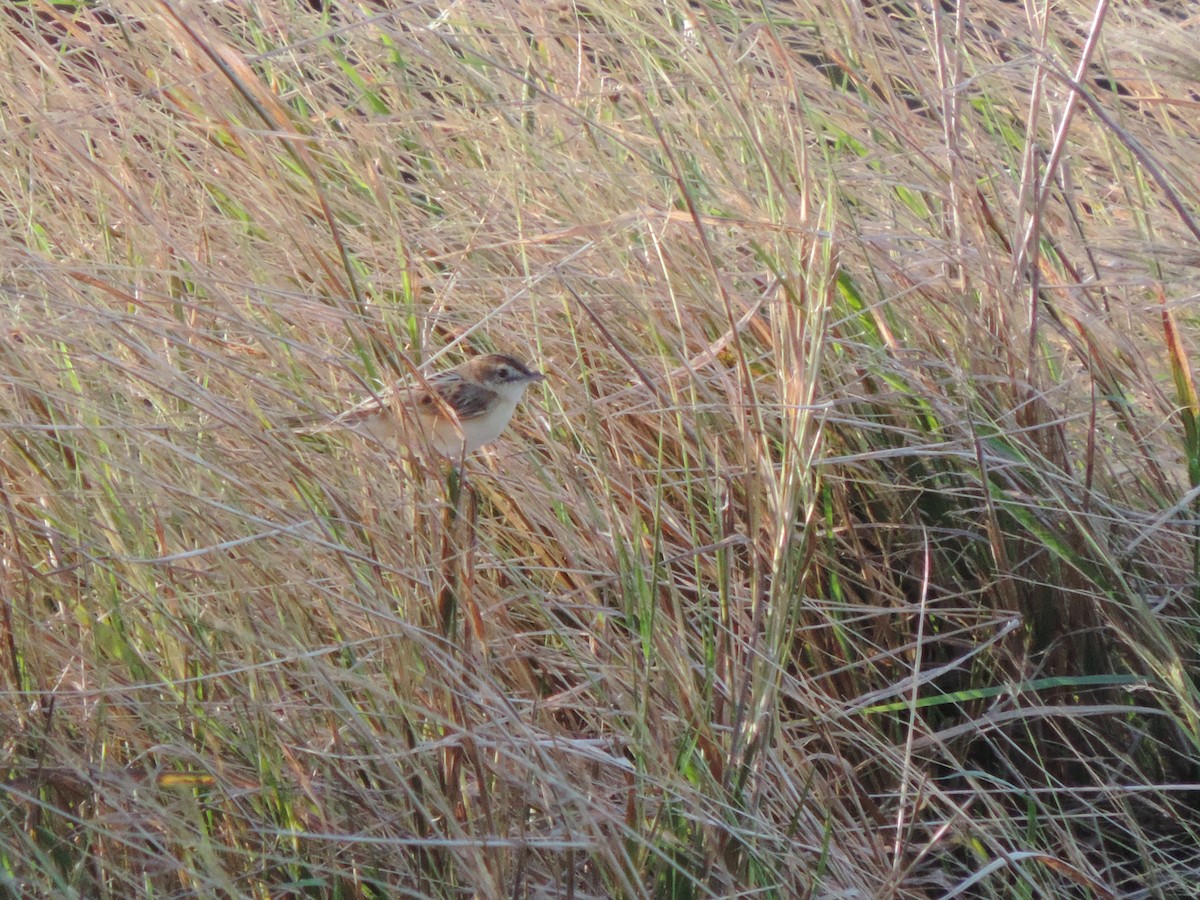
[850, 548]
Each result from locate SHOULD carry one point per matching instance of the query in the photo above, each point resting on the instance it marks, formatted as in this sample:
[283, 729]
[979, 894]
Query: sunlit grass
[848, 550]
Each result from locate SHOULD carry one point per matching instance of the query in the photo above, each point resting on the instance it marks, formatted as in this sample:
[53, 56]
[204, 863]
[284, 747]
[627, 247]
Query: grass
[850, 548]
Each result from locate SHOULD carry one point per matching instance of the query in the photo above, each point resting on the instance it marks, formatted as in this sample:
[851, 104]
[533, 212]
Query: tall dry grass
[850, 549]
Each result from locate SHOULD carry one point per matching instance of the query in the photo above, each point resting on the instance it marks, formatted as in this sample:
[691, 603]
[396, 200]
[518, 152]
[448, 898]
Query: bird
[454, 412]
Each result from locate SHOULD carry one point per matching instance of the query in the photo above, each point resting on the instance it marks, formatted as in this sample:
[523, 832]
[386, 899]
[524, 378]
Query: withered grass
[849, 550]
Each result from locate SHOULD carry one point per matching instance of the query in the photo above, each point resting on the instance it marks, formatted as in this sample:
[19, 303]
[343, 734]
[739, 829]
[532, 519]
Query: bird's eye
[504, 373]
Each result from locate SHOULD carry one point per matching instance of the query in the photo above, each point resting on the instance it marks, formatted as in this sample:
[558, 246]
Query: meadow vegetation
[850, 548]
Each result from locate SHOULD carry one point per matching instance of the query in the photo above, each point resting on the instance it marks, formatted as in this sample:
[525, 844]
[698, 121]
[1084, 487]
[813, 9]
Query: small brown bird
[461, 410]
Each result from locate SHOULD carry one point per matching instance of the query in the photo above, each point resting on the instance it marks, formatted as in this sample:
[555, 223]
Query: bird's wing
[465, 399]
